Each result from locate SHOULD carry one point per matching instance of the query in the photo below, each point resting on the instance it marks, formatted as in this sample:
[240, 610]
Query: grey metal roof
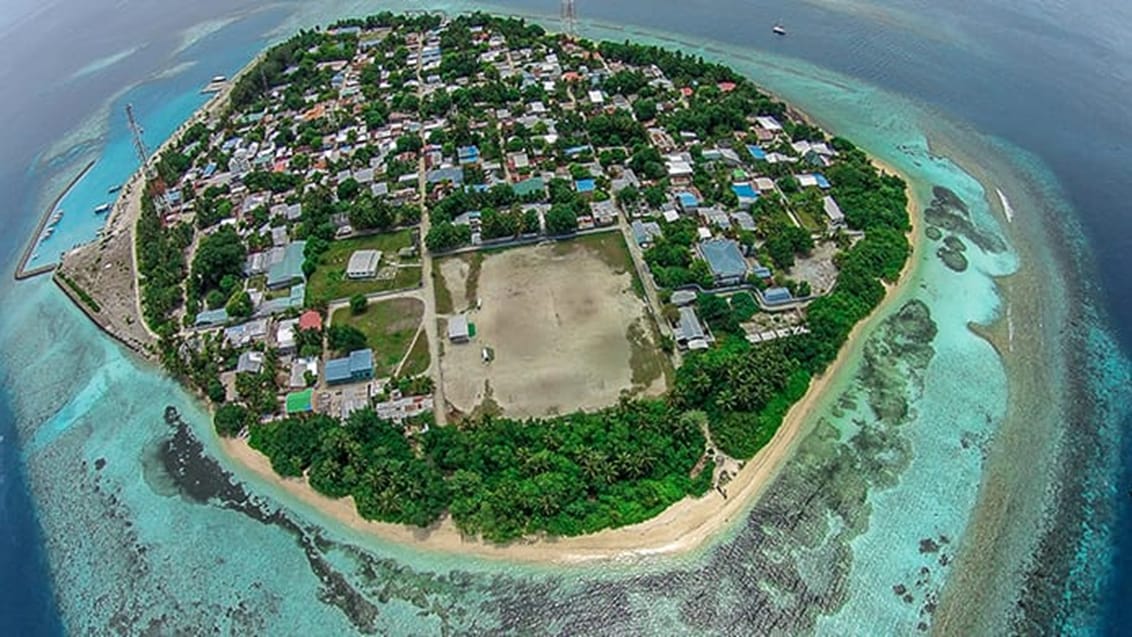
[458, 327]
[724, 258]
[690, 328]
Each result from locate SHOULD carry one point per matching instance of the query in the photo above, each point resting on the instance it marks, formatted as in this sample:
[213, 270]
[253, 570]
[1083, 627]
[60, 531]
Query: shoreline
[687, 525]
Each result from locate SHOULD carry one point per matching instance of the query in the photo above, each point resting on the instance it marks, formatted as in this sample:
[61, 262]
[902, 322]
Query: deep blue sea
[1040, 92]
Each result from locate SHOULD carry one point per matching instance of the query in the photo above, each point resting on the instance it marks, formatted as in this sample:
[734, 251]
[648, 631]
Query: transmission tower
[139, 143]
[154, 183]
[569, 18]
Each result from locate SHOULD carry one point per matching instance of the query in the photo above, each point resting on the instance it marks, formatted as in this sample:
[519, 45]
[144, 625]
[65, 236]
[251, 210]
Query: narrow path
[428, 287]
[643, 274]
[412, 346]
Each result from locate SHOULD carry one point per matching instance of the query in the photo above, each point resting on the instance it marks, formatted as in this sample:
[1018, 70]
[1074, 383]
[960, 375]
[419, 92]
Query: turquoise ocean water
[867, 531]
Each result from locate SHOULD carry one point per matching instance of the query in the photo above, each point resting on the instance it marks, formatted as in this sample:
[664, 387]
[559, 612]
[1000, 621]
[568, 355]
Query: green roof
[300, 402]
[290, 269]
[527, 186]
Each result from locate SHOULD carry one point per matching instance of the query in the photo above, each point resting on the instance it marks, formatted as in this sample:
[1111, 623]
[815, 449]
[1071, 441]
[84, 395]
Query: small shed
[458, 329]
[833, 211]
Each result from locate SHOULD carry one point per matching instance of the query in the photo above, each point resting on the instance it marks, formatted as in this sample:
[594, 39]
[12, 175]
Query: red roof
[727, 87]
[687, 91]
[310, 320]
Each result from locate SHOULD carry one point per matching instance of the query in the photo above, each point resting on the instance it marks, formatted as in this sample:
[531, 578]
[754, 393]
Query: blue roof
[358, 363]
[585, 185]
[775, 296]
[361, 360]
[468, 154]
[822, 181]
[756, 152]
[762, 272]
[576, 150]
[744, 191]
[724, 258]
[688, 199]
[337, 370]
[208, 170]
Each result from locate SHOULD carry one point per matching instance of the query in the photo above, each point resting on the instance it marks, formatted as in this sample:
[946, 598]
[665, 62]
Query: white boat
[104, 208]
[219, 78]
[779, 29]
[58, 216]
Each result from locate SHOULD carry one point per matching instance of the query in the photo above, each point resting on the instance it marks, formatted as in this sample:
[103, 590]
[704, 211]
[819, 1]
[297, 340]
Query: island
[459, 270]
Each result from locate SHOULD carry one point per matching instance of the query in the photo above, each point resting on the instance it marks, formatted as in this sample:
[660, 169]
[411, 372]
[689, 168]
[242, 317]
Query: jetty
[101, 276]
[22, 271]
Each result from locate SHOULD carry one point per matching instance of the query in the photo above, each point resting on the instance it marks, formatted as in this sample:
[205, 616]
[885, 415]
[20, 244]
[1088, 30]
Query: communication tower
[153, 180]
[569, 18]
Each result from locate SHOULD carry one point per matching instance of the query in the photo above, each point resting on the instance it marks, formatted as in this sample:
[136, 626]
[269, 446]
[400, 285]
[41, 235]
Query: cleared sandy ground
[455, 272]
[557, 318]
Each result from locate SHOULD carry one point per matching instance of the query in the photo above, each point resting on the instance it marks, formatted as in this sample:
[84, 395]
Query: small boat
[57, 217]
[113, 189]
[219, 78]
[104, 208]
[779, 29]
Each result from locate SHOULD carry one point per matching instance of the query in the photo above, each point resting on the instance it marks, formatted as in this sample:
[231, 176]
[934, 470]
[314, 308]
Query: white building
[363, 264]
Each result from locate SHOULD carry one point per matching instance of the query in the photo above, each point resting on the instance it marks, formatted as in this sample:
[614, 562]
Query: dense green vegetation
[364, 457]
[161, 267]
[501, 478]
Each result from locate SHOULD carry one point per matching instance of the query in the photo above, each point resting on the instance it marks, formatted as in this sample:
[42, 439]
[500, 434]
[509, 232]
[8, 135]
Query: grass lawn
[389, 327]
[808, 221]
[417, 362]
[444, 303]
[329, 282]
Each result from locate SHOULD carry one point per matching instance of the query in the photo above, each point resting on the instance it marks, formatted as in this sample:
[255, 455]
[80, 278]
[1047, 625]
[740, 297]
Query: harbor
[43, 230]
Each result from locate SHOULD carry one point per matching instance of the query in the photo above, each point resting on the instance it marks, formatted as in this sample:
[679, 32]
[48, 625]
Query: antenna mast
[139, 143]
[570, 19]
[154, 183]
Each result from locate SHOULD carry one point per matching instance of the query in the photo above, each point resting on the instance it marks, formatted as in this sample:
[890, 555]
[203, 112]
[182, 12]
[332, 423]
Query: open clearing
[565, 326]
[389, 326]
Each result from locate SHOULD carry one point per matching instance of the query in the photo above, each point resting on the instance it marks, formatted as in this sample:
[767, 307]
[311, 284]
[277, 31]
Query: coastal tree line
[498, 478]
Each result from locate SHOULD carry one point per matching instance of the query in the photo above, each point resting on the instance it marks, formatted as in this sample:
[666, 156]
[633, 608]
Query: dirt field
[455, 271]
[567, 331]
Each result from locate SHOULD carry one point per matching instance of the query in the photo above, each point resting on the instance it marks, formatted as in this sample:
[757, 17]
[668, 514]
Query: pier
[21, 270]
